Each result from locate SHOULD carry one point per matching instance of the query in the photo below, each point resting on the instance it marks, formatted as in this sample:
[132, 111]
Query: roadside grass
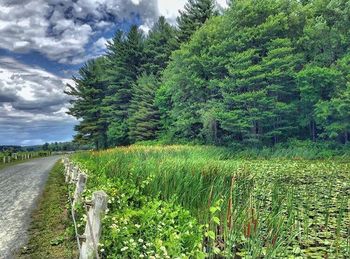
[50, 234]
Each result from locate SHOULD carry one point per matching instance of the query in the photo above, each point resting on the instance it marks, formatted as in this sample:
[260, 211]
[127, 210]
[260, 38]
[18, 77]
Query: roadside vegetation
[204, 201]
[50, 233]
[264, 87]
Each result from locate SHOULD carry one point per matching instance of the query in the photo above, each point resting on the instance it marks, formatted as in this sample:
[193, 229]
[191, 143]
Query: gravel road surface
[20, 186]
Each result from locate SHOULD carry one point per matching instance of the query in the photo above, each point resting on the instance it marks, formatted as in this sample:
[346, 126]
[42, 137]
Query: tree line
[259, 73]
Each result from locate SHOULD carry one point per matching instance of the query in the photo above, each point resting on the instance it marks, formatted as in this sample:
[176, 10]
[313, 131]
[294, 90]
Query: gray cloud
[62, 29]
[32, 105]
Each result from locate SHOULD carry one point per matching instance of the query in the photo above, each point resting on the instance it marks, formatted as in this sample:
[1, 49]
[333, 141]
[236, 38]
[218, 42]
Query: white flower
[137, 225]
[141, 256]
[140, 240]
[124, 248]
[102, 250]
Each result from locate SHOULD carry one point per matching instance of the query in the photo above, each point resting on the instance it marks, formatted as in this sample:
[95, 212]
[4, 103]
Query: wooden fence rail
[95, 210]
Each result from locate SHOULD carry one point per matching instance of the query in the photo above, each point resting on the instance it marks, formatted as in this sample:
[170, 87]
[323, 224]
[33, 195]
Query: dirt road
[20, 186]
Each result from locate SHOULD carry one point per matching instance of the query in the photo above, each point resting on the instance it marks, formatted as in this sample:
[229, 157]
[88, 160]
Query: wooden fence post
[74, 174]
[4, 159]
[8, 159]
[93, 226]
[68, 169]
[79, 188]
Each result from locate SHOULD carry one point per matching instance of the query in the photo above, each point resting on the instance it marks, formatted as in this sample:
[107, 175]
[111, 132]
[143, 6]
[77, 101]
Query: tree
[315, 84]
[159, 45]
[125, 58]
[88, 93]
[195, 14]
[144, 115]
[334, 114]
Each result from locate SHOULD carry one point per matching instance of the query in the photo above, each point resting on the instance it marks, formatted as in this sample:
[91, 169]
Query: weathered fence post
[8, 159]
[68, 169]
[4, 159]
[74, 174]
[93, 226]
[79, 188]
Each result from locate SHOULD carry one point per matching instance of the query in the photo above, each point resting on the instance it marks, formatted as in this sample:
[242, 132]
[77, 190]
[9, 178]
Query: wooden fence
[16, 157]
[94, 210]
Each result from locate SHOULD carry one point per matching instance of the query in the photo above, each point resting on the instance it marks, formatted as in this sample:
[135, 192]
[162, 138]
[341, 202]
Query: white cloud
[32, 104]
[63, 29]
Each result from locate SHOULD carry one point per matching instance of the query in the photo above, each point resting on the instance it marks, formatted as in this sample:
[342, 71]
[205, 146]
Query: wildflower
[124, 248]
[137, 225]
[141, 256]
[140, 240]
[102, 250]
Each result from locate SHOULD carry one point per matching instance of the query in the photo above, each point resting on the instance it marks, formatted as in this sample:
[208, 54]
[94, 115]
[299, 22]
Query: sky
[43, 43]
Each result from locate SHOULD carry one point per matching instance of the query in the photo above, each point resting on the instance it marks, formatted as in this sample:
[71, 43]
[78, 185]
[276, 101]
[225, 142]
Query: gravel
[20, 187]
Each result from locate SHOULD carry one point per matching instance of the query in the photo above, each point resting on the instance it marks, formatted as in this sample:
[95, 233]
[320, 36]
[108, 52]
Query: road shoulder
[50, 234]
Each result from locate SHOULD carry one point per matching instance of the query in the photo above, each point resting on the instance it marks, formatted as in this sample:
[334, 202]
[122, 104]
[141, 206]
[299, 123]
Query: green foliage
[143, 114]
[159, 45]
[125, 58]
[194, 15]
[89, 92]
[261, 73]
[246, 207]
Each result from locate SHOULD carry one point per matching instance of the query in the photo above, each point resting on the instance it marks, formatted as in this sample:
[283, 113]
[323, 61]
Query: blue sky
[43, 43]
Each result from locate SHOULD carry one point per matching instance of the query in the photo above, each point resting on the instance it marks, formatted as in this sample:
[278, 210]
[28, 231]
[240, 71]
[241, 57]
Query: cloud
[32, 105]
[61, 30]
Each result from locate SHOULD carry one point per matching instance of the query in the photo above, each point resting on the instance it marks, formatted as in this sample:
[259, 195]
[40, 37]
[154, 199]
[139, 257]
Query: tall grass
[251, 207]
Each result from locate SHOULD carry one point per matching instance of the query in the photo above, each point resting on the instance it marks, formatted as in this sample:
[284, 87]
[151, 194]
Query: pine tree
[195, 14]
[159, 45]
[125, 55]
[144, 114]
[88, 92]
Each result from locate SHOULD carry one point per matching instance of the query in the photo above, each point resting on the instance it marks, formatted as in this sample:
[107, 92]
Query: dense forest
[261, 72]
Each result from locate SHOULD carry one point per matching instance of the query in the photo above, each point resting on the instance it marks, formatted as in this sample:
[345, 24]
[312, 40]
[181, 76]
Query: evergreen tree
[195, 14]
[159, 45]
[88, 92]
[125, 55]
[144, 115]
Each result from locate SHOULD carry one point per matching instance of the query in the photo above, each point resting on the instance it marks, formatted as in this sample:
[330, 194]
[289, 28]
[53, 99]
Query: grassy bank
[244, 207]
[50, 233]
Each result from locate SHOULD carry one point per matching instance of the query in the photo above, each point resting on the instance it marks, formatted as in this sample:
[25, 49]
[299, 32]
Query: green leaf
[216, 220]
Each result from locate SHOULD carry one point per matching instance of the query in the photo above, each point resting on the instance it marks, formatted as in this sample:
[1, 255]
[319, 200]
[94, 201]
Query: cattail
[229, 207]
